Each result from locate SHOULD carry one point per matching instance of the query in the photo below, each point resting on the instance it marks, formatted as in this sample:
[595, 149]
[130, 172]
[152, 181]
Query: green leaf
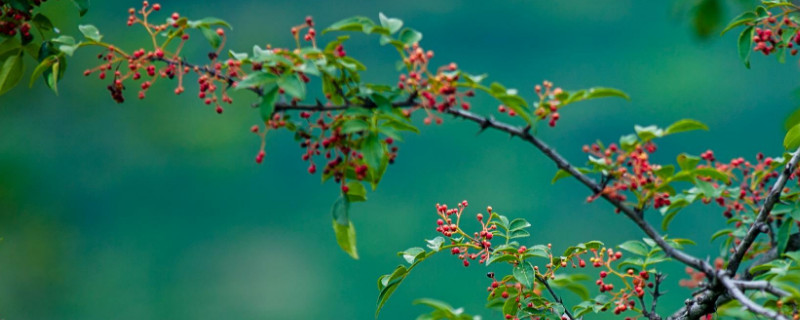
[42, 22]
[44, 65]
[435, 244]
[687, 162]
[393, 24]
[357, 23]
[783, 235]
[720, 233]
[685, 125]
[208, 22]
[267, 105]
[11, 72]
[560, 174]
[741, 19]
[410, 255]
[213, 38]
[292, 85]
[356, 192]
[354, 125]
[792, 120]
[388, 284]
[256, 79]
[745, 43]
[83, 6]
[409, 36]
[713, 173]
[343, 227]
[524, 274]
[600, 92]
[635, 247]
[792, 139]
[372, 149]
[90, 32]
[518, 224]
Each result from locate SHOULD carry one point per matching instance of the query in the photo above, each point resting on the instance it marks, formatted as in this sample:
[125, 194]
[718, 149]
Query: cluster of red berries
[767, 38]
[338, 147]
[311, 34]
[631, 170]
[479, 240]
[548, 102]
[14, 21]
[438, 90]
[140, 63]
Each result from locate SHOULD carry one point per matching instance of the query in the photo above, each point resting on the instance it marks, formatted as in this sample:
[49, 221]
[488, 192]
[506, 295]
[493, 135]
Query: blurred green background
[154, 209]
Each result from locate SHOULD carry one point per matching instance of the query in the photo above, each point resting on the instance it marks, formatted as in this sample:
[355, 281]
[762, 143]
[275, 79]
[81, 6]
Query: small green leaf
[267, 105]
[518, 224]
[635, 247]
[11, 72]
[435, 244]
[44, 65]
[90, 32]
[720, 233]
[343, 227]
[292, 85]
[213, 38]
[792, 139]
[687, 162]
[256, 79]
[560, 174]
[685, 125]
[783, 235]
[42, 22]
[354, 125]
[741, 19]
[372, 149]
[600, 92]
[745, 43]
[356, 192]
[409, 36]
[713, 173]
[208, 22]
[393, 24]
[410, 255]
[357, 23]
[524, 274]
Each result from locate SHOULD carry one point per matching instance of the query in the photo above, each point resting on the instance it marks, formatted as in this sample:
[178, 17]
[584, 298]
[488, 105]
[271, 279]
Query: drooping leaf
[213, 38]
[343, 227]
[267, 105]
[745, 43]
[784, 232]
[11, 72]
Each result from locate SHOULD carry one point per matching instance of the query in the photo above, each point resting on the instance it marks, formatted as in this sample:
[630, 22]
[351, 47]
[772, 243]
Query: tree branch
[762, 286]
[737, 294]
[555, 296]
[761, 218]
